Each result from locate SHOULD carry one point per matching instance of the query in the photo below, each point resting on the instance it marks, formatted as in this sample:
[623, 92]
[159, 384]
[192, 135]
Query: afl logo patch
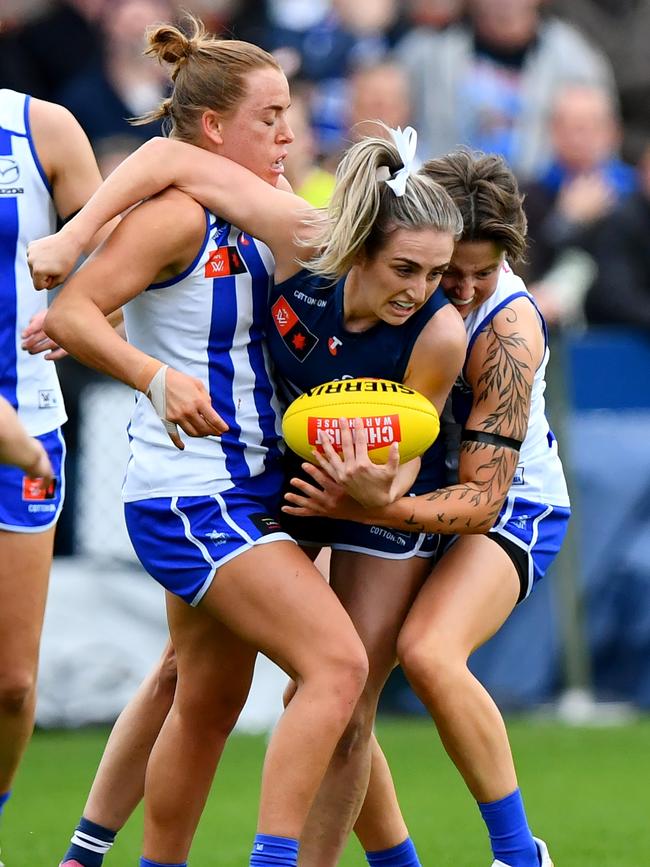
[333, 344]
[224, 262]
[9, 171]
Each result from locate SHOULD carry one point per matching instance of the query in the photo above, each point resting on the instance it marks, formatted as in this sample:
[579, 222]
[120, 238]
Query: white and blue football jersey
[539, 476]
[208, 322]
[28, 382]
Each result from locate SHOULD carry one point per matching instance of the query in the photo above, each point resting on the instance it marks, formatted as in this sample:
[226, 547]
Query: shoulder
[443, 336]
[57, 136]
[560, 36]
[51, 119]
[171, 217]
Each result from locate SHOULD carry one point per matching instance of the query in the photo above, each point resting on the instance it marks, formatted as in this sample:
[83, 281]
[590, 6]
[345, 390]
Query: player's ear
[212, 126]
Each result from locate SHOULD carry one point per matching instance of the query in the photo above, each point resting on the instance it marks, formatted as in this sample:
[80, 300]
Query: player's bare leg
[377, 594]
[25, 560]
[274, 599]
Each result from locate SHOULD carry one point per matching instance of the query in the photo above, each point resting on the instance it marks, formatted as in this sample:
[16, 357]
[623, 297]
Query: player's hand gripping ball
[391, 412]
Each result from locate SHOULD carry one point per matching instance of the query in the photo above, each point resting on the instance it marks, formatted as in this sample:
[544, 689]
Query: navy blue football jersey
[309, 344]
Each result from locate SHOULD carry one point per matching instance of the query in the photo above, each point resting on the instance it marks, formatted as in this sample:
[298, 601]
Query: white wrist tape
[157, 394]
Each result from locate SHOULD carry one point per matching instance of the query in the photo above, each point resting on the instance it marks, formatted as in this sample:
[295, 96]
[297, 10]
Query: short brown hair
[486, 192]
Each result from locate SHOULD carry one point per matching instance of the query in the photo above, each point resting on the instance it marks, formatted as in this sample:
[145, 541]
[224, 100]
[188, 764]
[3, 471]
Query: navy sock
[3, 800]
[90, 842]
[145, 862]
[510, 836]
[276, 851]
[403, 855]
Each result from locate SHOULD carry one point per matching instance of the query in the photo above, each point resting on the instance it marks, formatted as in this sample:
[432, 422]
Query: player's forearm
[147, 171]
[80, 327]
[16, 446]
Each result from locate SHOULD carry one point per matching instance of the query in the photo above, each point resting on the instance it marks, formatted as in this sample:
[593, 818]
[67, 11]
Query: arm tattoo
[507, 374]
[505, 381]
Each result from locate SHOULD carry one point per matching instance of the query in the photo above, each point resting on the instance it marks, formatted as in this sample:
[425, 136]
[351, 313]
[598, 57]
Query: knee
[16, 691]
[166, 675]
[349, 671]
[428, 663]
[356, 736]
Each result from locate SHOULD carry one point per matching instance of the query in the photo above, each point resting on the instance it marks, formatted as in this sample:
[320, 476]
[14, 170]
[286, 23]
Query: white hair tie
[406, 142]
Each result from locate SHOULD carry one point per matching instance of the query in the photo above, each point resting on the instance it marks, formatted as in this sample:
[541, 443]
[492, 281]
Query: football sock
[3, 800]
[510, 836]
[145, 862]
[403, 855]
[276, 851]
[90, 842]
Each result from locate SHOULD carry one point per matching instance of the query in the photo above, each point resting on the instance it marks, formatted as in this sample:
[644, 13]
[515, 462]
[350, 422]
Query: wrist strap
[157, 394]
[490, 439]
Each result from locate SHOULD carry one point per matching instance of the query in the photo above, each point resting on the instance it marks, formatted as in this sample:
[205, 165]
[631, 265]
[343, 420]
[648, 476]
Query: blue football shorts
[182, 541]
[24, 506]
[531, 534]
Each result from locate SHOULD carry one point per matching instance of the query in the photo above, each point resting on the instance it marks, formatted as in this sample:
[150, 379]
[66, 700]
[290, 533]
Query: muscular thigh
[275, 598]
[377, 594]
[213, 663]
[467, 597]
[25, 560]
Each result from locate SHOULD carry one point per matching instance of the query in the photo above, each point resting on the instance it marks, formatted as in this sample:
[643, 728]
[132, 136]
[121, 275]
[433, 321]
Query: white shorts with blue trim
[182, 541]
[24, 506]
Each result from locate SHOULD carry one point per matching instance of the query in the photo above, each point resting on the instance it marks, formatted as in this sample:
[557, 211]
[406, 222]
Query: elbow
[54, 324]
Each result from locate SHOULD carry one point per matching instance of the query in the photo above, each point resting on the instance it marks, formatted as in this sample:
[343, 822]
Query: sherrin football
[391, 412]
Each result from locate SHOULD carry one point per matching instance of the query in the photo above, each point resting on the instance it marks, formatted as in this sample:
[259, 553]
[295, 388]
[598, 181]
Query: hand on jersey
[35, 340]
[183, 401]
[52, 258]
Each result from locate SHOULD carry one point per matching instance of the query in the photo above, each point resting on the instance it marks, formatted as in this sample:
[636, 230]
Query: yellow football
[391, 412]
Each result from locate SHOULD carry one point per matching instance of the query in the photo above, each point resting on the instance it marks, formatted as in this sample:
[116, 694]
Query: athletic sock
[90, 842]
[402, 855]
[275, 851]
[145, 862]
[3, 800]
[510, 837]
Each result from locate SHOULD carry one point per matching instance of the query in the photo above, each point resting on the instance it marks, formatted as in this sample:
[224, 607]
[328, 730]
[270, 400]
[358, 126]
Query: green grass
[587, 793]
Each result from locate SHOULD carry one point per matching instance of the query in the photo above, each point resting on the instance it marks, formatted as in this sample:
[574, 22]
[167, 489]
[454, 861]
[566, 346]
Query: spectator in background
[620, 28]
[44, 43]
[378, 92]
[309, 180]
[488, 81]
[620, 295]
[123, 83]
[583, 183]
[434, 13]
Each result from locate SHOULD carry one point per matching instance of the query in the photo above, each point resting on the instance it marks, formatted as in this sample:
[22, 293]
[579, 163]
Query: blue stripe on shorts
[537, 528]
[24, 508]
[182, 541]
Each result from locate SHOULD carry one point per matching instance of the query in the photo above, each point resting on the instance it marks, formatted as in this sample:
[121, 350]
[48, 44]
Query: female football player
[366, 304]
[505, 517]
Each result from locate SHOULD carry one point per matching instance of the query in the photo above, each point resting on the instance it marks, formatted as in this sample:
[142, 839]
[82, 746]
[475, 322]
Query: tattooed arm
[500, 372]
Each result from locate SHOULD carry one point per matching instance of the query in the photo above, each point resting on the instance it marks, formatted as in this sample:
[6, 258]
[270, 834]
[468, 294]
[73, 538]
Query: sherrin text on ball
[391, 412]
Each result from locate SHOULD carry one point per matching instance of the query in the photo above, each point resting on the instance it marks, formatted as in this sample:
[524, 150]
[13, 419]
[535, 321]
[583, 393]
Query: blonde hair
[364, 210]
[207, 72]
[485, 189]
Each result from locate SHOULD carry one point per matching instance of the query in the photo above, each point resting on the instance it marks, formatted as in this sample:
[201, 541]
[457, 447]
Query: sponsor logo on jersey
[333, 344]
[32, 489]
[9, 171]
[381, 431]
[518, 478]
[224, 262]
[298, 339]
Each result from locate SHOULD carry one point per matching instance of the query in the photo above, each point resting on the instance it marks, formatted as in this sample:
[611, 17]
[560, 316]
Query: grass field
[587, 793]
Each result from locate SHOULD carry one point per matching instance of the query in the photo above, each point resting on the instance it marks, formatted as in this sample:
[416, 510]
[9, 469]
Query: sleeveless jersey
[539, 476]
[28, 382]
[309, 345]
[208, 322]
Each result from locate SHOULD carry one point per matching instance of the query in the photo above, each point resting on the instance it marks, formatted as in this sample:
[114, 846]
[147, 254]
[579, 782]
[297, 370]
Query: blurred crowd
[562, 89]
